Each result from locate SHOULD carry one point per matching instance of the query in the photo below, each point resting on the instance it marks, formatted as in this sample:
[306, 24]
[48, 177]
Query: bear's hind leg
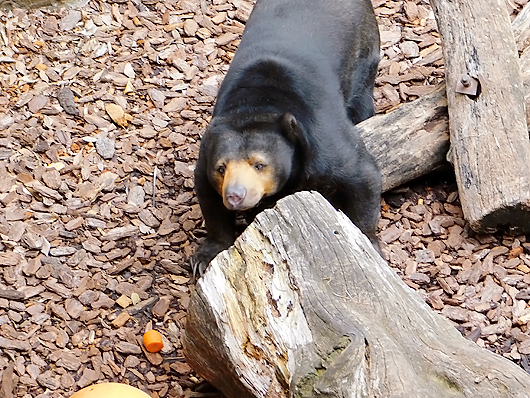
[359, 97]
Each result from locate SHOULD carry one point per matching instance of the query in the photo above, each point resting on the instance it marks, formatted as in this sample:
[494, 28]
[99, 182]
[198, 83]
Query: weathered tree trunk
[303, 306]
[413, 140]
[488, 132]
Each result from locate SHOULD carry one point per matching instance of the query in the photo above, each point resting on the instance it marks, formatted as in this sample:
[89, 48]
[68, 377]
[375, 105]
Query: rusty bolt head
[466, 80]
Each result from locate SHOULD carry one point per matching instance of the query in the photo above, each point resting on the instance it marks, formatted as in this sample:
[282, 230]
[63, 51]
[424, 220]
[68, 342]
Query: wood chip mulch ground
[102, 106]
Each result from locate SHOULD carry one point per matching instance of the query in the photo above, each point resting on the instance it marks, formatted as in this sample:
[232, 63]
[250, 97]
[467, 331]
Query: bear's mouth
[237, 208]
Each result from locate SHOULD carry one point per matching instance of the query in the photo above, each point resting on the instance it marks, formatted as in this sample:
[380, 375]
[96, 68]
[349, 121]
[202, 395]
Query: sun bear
[284, 118]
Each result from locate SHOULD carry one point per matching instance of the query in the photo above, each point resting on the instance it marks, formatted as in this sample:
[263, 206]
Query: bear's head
[250, 158]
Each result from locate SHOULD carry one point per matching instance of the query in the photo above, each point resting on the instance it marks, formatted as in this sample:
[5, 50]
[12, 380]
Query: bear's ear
[290, 128]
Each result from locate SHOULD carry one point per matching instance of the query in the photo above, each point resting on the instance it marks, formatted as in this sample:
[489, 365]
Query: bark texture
[488, 131]
[303, 306]
[413, 140]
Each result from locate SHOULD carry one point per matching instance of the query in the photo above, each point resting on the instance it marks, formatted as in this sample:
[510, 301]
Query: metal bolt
[466, 81]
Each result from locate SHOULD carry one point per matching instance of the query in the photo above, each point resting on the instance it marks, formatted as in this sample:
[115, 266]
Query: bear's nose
[235, 194]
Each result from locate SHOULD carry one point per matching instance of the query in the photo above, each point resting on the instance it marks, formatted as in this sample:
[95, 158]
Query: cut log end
[514, 220]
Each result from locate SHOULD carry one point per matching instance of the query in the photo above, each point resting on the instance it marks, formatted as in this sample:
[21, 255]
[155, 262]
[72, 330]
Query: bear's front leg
[220, 228]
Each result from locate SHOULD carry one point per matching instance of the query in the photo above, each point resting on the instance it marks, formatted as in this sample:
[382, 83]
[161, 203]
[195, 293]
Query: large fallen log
[413, 140]
[303, 306]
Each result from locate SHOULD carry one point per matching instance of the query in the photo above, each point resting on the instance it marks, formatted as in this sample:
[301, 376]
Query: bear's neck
[266, 87]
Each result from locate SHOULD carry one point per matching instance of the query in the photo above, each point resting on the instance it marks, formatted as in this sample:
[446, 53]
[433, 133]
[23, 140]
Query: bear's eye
[221, 169]
[259, 166]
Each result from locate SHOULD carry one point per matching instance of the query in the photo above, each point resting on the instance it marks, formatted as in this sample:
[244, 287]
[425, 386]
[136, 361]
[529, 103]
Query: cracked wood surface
[413, 139]
[489, 135]
[303, 306]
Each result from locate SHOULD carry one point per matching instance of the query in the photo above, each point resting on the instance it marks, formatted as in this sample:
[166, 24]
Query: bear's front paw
[198, 266]
[200, 260]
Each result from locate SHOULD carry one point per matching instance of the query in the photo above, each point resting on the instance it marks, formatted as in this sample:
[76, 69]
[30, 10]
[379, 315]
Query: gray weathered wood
[303, 306]
[413, 140]
[521, 28]
[489, 136]
[524, 62]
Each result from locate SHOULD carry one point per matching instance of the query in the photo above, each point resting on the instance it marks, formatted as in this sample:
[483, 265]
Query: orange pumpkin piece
[153, 341]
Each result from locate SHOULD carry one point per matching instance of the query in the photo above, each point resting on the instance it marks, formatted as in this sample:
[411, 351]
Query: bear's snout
[235, 195]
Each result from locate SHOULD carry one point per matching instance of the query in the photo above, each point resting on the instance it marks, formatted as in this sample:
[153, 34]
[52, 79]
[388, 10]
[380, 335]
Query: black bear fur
[301, 79]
